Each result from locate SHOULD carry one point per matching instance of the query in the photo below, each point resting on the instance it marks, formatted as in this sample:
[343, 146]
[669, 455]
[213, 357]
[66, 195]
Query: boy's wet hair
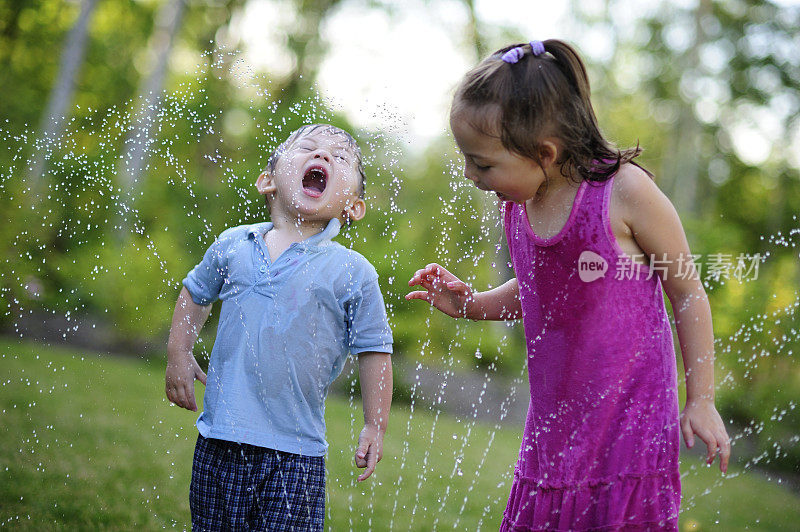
[309, 129]
[538, 96]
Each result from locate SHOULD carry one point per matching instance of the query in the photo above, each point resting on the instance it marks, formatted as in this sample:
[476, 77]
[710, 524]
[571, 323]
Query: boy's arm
[455, 298]
[182, 368]
[658, 231]
[375, 374]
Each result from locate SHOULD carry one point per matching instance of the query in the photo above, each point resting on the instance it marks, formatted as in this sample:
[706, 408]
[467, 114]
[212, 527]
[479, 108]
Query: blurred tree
[475, 30]
[730, 71]
[60, 100]
[139, 138]
[306, 43]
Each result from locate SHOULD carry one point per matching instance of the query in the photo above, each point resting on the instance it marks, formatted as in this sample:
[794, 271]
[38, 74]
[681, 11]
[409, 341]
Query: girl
[601, 442]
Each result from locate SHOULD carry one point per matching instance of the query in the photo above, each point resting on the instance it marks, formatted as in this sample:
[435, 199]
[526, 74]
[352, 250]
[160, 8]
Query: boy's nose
[322, 154]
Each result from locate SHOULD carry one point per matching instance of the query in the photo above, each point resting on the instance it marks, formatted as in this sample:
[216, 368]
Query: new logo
[591, 266]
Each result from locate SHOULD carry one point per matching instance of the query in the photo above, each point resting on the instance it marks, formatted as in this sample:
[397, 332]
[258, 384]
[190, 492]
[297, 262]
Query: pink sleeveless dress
[601, 442]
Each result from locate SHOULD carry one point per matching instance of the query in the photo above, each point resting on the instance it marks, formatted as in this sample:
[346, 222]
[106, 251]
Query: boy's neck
[296, 229]
[286, 232]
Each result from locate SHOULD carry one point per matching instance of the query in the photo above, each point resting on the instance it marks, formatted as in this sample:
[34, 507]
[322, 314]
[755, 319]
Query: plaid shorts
[236, 486]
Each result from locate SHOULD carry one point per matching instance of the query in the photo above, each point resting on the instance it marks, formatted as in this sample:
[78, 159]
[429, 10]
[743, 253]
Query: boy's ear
[356, 210]
[265, 184]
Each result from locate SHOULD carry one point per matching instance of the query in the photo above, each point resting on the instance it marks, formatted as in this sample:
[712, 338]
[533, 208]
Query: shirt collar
[321, 238]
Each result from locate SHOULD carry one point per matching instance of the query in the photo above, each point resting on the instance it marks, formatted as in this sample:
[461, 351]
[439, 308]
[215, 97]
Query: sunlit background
[133, 133]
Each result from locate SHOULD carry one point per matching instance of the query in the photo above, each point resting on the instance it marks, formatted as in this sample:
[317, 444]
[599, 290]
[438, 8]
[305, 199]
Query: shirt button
[263, 268]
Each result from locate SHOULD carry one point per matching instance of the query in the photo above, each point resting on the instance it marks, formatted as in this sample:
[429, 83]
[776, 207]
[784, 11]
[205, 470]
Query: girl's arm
[658, 231]
[455, 298]
[182, 368]
[375, 375]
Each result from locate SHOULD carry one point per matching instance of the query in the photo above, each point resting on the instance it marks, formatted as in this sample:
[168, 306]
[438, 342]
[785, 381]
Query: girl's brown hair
[541, 95]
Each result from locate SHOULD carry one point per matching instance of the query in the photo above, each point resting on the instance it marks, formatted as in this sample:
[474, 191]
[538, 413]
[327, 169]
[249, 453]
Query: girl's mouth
[314, 181]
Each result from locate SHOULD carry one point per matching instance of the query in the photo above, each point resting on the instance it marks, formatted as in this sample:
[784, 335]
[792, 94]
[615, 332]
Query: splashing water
[99, 260]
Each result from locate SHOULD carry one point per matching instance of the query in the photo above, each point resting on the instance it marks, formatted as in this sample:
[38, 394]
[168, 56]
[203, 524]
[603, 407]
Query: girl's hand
[180, 381]
[443, 290]
[701, 418]
[370, 450]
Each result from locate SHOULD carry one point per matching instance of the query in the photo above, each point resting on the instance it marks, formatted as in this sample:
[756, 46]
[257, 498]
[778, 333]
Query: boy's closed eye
[341, 156]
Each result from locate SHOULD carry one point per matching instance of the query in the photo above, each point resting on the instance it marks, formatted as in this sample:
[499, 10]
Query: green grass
[90, 442]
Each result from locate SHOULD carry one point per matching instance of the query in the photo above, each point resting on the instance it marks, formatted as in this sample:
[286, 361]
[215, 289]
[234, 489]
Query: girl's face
[490, 166]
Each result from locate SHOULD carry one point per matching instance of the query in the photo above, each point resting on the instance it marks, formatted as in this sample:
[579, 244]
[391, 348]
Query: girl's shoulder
[632, 190]
[632, 172]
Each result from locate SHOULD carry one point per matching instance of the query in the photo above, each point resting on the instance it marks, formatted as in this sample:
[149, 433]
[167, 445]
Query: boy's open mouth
[314, 181]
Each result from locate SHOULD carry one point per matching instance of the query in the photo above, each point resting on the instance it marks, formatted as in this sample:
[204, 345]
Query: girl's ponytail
[572, 66]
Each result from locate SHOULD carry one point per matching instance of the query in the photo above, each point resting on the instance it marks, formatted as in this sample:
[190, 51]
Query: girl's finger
[688, 435]
[415, 278]
[419, 275]
[713, 448]
[458, 286]
[425, 296]
[426, 281]
[430, 284]
[705, 435]
[725, 453]
[440, 271]
[430, 269]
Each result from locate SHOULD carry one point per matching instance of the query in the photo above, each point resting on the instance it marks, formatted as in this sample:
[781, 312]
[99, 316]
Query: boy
[294, 303]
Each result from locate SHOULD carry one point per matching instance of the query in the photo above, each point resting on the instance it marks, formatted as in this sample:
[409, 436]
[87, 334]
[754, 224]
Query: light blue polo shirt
[284, 332]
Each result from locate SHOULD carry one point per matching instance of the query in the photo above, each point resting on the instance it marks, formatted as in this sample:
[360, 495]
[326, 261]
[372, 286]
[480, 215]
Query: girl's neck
[553, 188]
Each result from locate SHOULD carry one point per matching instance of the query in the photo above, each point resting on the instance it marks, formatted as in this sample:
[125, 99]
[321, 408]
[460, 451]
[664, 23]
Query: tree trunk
[474, 31]
[686, 157]
[60, 100]
[305, 43]
[139, 138]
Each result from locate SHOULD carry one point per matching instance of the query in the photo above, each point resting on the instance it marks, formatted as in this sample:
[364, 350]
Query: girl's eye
[341, 158]
[477, 166]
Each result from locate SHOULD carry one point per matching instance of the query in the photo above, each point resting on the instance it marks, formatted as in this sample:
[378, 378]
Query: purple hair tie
[537, 47]
[513, 55]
